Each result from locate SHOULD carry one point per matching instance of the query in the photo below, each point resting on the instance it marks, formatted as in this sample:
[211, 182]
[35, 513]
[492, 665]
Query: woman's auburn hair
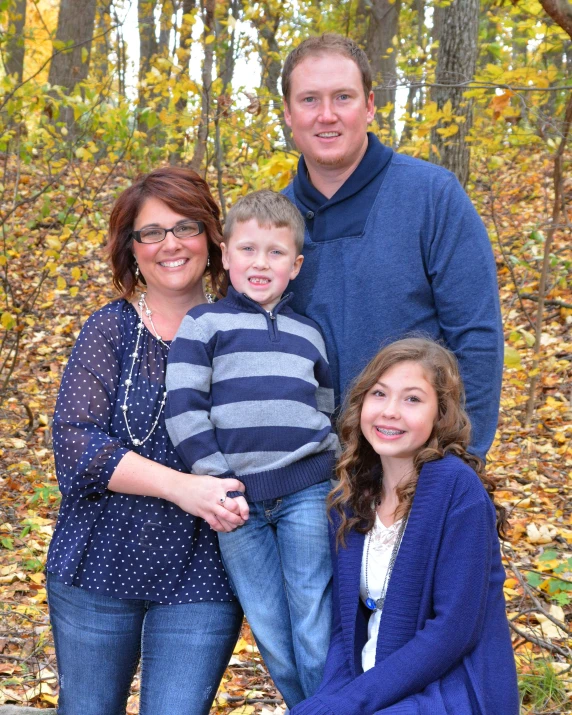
[184, 192]
[359, 468]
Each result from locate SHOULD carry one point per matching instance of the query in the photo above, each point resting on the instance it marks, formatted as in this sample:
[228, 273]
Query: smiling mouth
[328, 135]
[173, 264]
[389, 432]
[259, 281]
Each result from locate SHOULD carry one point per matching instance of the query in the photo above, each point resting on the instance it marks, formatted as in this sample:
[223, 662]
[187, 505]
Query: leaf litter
[533, 465]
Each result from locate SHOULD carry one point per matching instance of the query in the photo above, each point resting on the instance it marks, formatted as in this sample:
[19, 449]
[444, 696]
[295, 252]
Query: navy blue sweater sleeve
[337, 671]
[460, 593]
[85, 452]
[462, 271]
[188, 381]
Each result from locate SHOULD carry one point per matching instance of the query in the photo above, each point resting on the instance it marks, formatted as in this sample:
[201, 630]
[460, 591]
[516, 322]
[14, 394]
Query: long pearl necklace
[135, 355]
[142, 303]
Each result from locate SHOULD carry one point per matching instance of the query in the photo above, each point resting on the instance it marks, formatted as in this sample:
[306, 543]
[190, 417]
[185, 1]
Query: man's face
[328, 112]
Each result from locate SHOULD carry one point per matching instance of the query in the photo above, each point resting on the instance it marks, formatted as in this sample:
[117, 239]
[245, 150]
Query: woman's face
[399, 412]
[173, 265]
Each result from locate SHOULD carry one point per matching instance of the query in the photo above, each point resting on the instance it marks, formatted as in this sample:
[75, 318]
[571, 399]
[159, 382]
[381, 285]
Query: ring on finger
[222, 499]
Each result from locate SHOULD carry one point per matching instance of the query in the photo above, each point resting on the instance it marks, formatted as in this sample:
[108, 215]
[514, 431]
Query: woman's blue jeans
[280, 567]
[184, 650]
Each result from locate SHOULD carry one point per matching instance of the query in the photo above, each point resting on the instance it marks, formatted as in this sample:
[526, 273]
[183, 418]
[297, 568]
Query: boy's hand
[238, 505]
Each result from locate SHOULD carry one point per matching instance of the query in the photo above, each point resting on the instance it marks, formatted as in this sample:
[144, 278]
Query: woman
[134, 571]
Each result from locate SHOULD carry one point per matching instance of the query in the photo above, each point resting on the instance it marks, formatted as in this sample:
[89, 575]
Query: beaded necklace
[377, 604]
[142, 303]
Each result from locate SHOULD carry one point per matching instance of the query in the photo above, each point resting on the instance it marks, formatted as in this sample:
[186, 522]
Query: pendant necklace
[377, 604]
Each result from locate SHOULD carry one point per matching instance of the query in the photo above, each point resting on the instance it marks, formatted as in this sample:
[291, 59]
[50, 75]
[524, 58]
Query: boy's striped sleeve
[325, 391]
[188, 381]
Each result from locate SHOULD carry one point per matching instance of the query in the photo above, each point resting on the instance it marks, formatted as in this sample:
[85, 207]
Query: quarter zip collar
[244, 302]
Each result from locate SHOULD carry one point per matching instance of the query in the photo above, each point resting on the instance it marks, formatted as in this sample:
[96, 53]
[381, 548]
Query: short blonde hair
[269, 209]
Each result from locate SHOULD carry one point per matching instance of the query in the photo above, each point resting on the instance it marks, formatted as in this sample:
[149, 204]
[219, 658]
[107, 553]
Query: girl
[419, 624]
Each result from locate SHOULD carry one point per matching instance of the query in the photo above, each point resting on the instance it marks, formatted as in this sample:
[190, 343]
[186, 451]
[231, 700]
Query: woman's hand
[200, 495]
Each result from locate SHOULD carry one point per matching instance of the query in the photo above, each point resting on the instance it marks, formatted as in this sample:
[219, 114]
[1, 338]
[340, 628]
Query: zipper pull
[271, 315]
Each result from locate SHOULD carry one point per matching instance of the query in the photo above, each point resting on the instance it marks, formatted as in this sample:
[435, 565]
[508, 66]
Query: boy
[250, 395]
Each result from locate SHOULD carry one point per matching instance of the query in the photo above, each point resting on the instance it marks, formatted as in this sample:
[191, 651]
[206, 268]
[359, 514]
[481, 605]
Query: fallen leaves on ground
[533, 465]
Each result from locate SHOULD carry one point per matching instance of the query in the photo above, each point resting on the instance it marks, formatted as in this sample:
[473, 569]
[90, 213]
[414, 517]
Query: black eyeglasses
[154, 234]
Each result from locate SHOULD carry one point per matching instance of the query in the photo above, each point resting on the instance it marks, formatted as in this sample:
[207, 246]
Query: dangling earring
[137, 272]
[209, 262]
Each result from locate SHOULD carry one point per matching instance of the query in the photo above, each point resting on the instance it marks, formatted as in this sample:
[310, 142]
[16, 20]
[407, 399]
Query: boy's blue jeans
[280, 568]
[99, 641]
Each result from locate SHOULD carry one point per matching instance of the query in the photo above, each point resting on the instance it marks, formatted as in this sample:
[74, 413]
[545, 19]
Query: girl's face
[399, 412]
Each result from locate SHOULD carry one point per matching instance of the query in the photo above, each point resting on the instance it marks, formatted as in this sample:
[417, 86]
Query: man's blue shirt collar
[374, 161]
[345, 213]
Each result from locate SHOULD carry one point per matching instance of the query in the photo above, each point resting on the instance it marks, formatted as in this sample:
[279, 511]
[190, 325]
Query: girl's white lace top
[380, 548]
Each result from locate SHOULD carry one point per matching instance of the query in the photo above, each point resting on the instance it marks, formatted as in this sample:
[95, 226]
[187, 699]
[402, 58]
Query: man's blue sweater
[250, 396]
[444, 645]
[399, 249]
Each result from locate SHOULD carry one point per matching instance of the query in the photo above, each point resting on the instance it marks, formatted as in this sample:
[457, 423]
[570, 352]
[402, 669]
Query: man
[393, 244]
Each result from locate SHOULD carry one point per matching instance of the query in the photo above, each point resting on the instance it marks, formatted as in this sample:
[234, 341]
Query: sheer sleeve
[86, 454]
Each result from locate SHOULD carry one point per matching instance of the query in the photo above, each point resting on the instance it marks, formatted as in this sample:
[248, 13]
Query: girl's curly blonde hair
[359, 470]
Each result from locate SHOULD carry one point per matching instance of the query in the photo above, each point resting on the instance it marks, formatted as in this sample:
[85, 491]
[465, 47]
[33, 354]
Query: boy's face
[261, 261]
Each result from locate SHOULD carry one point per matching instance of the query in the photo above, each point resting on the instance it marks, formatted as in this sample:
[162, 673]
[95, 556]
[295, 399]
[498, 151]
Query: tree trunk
[207, 71]
[561, 12]
[383, 27]
[100, 65]
[121, 57]
[456, 63]
[226, 56]
[148, 47]
[184, 50]
[147, 39]
[165, 26]
[69, 67]
[271, 64]
[545, 114]
[226, 70]
[183, 53]
[76, 21]
[14, 57]
[406, 134]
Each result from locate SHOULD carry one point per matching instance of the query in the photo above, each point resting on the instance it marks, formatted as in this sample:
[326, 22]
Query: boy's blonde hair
[269, 209]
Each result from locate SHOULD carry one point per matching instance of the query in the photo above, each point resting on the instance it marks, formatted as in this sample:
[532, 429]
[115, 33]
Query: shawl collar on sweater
[401, 615]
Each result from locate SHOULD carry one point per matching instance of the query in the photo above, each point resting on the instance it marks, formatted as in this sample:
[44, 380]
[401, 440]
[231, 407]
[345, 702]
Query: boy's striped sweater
[250, 394]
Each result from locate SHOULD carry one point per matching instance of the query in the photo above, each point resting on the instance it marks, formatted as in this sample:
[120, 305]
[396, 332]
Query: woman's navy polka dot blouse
[123, 545]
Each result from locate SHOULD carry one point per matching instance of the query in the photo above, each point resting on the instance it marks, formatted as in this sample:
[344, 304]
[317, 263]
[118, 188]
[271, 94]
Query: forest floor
[533, 464]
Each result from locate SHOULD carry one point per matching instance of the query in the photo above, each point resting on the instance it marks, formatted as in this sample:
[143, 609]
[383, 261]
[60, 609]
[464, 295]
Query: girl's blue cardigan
[444, 646]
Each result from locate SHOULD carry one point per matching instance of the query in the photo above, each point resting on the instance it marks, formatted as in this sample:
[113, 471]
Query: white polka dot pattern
[123, 545]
